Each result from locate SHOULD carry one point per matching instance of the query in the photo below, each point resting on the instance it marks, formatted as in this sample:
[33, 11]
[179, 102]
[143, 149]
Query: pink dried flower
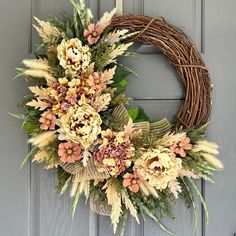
[131, 181]
[97, 81]
[64, 106]
[73, 100]
[69, 152]
[48, 121]
[93, 33]
[179, 147]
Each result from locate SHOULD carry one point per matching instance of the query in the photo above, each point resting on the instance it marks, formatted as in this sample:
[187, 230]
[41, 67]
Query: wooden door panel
[156, 77]
[55, 214]
[161, 100]
[186, 14]
[14, 195]
[134, 6]
[28, 200]
[159, 109]
[45, 9]
[164, 99]
[220, 50]
[105, 227]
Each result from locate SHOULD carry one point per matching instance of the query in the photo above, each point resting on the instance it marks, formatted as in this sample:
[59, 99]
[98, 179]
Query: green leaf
[120, 73]
[28, 156]
[62, 176]
[64, 188]
[75, 203]
[123, 83]
[197, 134]
[201, 199]
[20, 69]
[120, 86]
[142, 116]
[40, 55]
[69, 31]
[207, 178]
[190, 194]
[138, 114]
[133, 113]
[18, 116]
[123, 223]
[119, 100]
[29, 127]
[154, 218]
[76, 24]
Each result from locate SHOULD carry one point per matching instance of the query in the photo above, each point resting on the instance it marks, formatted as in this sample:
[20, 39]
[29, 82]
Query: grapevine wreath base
[79, 124]
[183, 54]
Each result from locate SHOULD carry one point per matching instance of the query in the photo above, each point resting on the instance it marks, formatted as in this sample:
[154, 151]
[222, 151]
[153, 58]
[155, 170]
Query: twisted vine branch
[184, 56]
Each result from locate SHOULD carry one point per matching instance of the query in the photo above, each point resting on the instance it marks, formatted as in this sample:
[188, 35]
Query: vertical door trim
[119, 7]
[30, 23]
[203, 18]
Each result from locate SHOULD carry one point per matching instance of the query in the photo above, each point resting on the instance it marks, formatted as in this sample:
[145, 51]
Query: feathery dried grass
[114, 200]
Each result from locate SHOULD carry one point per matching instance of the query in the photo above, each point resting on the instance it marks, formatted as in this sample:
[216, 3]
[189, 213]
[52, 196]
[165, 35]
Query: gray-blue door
[29, 205]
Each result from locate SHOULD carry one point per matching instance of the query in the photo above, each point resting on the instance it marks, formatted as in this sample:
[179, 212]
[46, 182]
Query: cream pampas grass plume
[209, 150]
[106, 18]
[207, 147]
[43, 139]
[46, 30]
[129, 205]
[38, 68]
[114, 200]
[40, 74]
[213, 160]
[37, 64]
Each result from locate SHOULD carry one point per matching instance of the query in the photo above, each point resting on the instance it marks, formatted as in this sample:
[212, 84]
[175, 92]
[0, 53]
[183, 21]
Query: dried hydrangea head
[158, 167]
[73, 57]
[81, 124]
[64, 93]
[115, 152]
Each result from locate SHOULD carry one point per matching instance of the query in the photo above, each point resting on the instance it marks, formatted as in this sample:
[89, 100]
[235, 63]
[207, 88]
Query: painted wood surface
[14, 184]
[28, 203]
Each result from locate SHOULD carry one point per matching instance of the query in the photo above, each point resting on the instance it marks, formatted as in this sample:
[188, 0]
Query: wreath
[79, 123]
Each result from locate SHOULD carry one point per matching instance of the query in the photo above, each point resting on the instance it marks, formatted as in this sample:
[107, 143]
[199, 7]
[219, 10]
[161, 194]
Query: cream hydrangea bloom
[158, 166]
[73, 56]
[81, 124]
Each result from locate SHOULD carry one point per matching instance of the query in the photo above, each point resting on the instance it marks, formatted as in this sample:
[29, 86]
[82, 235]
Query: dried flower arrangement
[78, 122]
